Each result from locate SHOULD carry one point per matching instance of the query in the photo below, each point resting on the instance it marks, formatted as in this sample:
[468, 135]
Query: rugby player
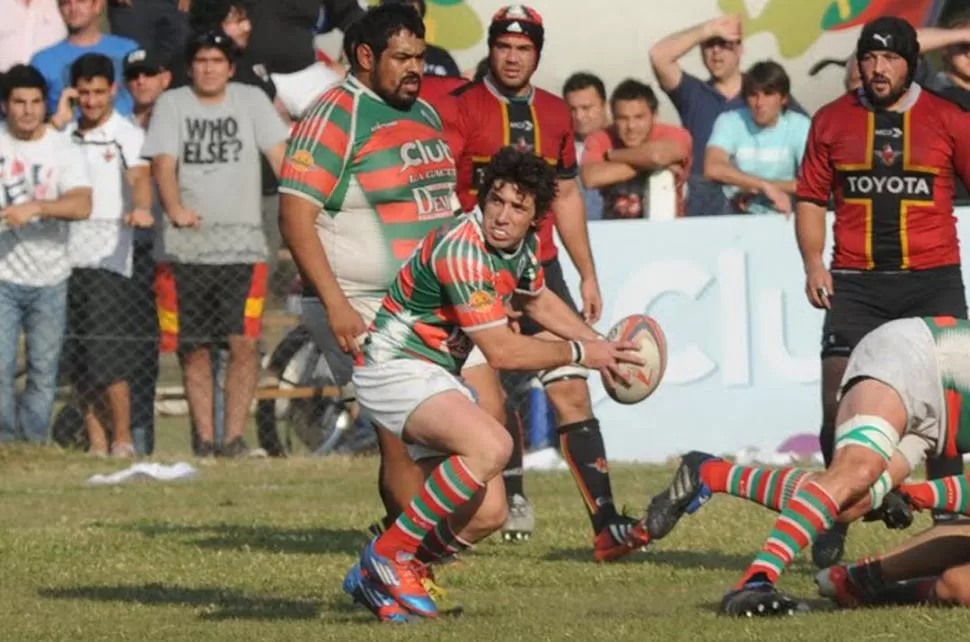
[367, 175]
[905, 395]
[931, 568]
[504, 108]
[450, 297]
[890, 153]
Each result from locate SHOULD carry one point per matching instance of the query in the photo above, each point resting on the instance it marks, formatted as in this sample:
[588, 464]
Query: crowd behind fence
[192, 324]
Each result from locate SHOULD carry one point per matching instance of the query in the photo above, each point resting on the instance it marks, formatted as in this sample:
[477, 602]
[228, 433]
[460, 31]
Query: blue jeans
[42, 314]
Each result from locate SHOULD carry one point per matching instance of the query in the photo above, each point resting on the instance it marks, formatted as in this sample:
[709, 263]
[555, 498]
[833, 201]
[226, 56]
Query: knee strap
[563, 373]
[868, 431]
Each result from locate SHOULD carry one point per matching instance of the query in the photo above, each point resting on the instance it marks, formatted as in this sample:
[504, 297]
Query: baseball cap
[142, 60]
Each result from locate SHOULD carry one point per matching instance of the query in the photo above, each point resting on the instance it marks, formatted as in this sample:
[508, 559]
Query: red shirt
[437, 89]
[893, 178]
[484, 121]
[631, 192]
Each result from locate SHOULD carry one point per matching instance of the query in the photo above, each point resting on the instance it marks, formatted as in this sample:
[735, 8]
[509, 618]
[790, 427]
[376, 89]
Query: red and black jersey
[437, 90]
[893, 175]
[484, 121]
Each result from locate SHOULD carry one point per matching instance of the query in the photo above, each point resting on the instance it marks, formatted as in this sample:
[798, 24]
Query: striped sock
[440, 543]
[951, 494]
[810, 512]
[450, 485]
[770, 487]
[866, 574]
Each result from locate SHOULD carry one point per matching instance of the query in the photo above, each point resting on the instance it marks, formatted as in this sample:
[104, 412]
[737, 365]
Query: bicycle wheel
[314, 421]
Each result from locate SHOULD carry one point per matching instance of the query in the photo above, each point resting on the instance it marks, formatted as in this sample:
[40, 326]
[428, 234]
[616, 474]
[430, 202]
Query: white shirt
[36, 254]
[26, 28]
[110, 150]
[13, 179]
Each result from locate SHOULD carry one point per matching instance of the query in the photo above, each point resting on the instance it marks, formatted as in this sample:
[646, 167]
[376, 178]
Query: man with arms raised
[450, 297]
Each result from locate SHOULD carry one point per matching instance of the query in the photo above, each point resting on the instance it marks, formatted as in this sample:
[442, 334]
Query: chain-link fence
[160, 340]
[170, 339]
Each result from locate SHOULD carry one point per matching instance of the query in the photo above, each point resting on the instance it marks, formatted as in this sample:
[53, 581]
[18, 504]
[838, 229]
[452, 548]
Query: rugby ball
[646, 332]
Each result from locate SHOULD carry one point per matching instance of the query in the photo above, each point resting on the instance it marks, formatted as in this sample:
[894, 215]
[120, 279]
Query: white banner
[728, 291]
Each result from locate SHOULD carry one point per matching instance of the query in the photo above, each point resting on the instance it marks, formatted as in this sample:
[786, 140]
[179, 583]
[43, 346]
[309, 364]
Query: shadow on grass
[219, 603]
[228, 536]
[714, 560]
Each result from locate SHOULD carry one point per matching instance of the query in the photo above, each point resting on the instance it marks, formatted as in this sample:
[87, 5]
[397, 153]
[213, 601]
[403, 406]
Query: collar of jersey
[104, 130]
[912, 95]
[356, 85]
[505, 99]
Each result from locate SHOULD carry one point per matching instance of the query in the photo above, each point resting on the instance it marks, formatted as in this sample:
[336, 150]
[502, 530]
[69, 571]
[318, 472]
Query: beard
[889, 99]
[396, 98]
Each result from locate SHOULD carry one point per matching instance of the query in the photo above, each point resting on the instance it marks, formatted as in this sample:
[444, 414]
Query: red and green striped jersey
[455, 284]
[952, 339]
[382, 177]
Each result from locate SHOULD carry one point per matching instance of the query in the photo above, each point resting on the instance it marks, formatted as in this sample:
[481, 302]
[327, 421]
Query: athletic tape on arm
[868, 431]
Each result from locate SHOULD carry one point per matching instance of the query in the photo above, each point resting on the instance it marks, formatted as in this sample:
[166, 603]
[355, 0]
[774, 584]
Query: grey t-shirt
[217, 147]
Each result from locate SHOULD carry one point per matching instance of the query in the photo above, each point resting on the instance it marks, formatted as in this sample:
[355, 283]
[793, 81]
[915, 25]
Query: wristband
[579, 354]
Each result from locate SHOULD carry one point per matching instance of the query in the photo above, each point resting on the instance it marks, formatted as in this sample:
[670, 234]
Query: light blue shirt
[772, 153]
[55, 65]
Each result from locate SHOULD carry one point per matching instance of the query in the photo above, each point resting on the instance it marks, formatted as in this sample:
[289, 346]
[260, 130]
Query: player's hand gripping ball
[643, 380]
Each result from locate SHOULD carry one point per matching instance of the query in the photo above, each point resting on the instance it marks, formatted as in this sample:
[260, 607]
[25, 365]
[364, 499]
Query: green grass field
[257, 549]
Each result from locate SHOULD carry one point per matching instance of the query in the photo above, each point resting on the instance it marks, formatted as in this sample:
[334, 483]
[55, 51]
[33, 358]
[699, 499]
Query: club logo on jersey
[888, 155]
[418, 153]
[434, 200]
[910, 186]
[480, 301]
[301, 161]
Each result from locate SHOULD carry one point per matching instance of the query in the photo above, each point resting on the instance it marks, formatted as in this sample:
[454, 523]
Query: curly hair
[531, 176]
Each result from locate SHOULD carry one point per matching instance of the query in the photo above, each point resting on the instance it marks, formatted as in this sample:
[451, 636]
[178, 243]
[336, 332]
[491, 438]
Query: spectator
[82, 18]
[619, 160]
[160, 26]
[284, 30]
[34, 265]
[698, 102]
[204, 141]
[853, 79]
[437, 61]
[586, 96]
[953, 83]
[146, 78]
[755, 151]
[100, 291]
[32, 25]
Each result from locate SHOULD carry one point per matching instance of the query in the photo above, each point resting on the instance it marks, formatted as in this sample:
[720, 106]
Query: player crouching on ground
[448, 298]
[905, 395]
[932, 568]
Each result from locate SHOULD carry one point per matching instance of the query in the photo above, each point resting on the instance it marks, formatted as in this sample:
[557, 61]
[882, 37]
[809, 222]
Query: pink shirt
[27, 27]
